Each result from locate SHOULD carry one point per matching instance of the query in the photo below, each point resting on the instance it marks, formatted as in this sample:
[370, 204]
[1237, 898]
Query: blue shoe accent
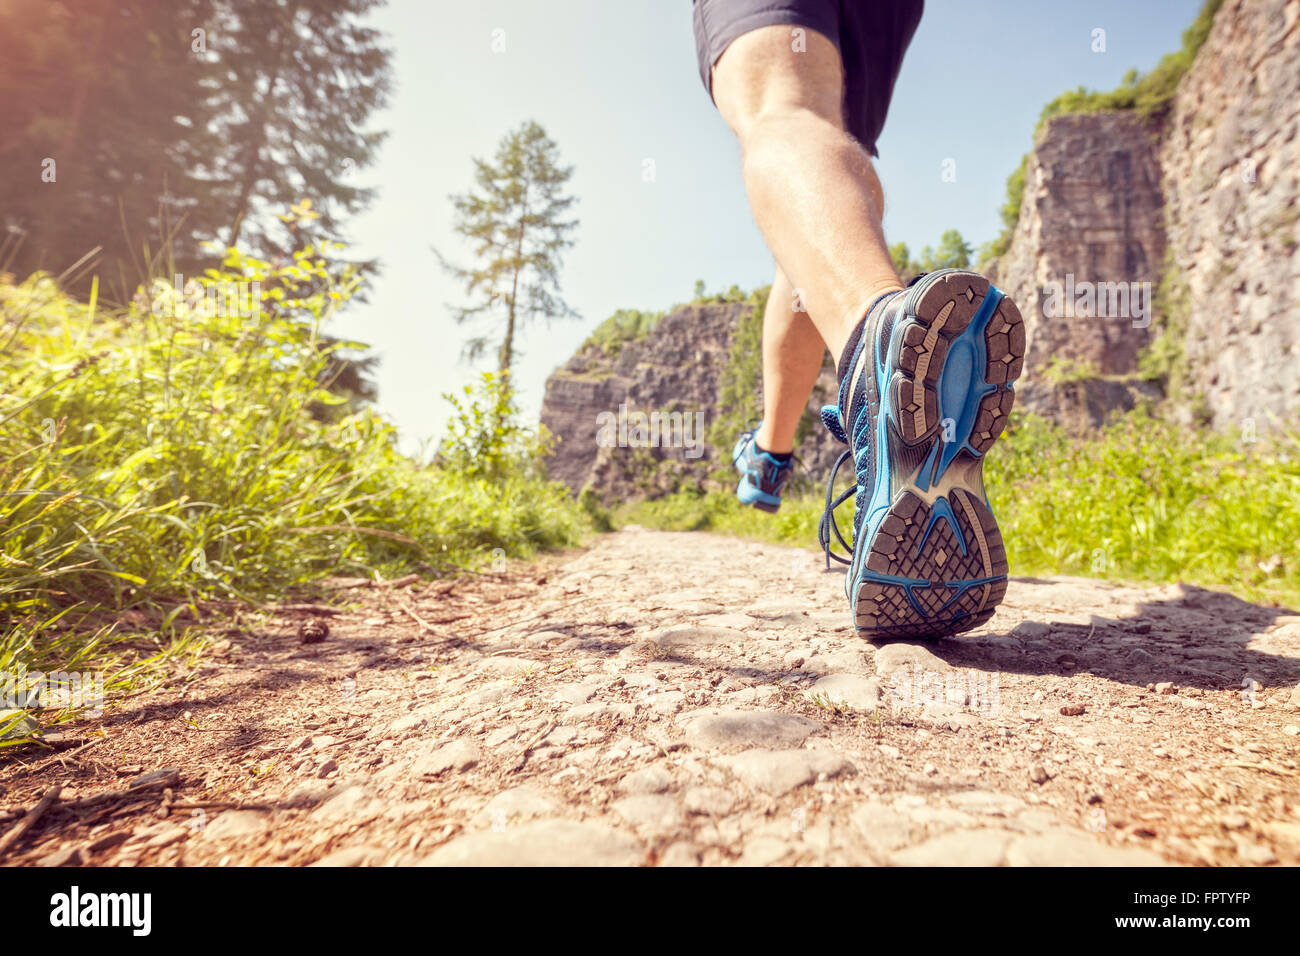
[762, 476]
[928, 393]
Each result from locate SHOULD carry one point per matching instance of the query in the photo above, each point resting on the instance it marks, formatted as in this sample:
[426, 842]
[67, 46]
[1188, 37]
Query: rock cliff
[1186, 226]
[1231, 161]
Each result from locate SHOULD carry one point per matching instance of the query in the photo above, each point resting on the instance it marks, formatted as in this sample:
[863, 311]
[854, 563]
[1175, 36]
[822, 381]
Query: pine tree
[299, 80]
[515, 221]
[106, 120]
[170, 122]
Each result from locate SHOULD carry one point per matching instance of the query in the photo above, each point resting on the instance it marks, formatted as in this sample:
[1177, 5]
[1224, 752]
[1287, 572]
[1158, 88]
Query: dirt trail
[687, 698]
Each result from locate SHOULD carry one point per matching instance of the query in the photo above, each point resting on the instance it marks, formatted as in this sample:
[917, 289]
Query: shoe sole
[935, 564]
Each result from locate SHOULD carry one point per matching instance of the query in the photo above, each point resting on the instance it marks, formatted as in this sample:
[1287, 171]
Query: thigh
[873, 38]
[765, 48]
[760, 78]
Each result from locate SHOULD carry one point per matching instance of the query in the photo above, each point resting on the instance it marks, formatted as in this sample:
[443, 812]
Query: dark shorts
[871, 35]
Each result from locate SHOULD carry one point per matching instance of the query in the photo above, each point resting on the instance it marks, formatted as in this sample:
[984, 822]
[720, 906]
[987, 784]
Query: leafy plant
[167, 453]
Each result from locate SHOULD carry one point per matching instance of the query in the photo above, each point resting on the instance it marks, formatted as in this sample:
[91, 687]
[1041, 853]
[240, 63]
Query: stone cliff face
[1202, 207]
[673, 378]
[673, 370]
[1231, 158]
[1205, 200]
[1090, 223]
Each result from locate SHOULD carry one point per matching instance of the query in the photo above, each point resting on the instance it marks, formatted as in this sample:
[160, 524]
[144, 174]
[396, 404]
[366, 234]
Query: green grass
[155, 456]
[1145, 501]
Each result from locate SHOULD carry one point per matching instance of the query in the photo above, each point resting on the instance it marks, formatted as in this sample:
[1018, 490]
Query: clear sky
[615, 83]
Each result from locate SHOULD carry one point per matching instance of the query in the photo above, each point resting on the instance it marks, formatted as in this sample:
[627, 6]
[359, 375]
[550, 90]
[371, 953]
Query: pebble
[777, 772]
[1038, 774]
[985, 847]
[712, 801]
[234, 825]
[541, 843]
[459, 755]
[892, 657]
[721, 729]
[1062, 847]
[849, 690]
[1030, 630]
[651, 810]
[653, 779]
[517, 803]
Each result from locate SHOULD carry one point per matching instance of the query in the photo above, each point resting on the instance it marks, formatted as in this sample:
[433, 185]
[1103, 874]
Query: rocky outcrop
[1216, 184]
[592, 404]
[1231, 158]
[1085, 259]
[641, 422]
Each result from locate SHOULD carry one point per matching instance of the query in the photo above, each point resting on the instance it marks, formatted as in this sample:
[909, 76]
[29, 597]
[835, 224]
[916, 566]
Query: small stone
[1166, 687]
[501, 735]
[777, 772]
[987, 802]
[313, 631]
[517, 803]
[345, 802]
[712, 801]
[654, 779]
[156, 779]
[1291, 730]
[689, 636]
[65, 856]
[544, 638]
[1038, 774]
[680, 854]
[234, 825]
[747, 728]
[895, 656]
[848, 690]
[575, 693]
[1030, 630]
[1256, 854]
[649, 810]
[354, 856]
[1072, 710]
[541, 843]
[459, 755]
[959, 848]
[1062, 847]
[410, 722]
[507, 666]
[884, 828]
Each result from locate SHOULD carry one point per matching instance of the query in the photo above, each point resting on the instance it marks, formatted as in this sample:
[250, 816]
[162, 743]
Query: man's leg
[812, 188]
[792, 359]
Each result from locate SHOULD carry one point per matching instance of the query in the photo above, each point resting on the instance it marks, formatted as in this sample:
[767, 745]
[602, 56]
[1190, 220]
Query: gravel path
[683, 699]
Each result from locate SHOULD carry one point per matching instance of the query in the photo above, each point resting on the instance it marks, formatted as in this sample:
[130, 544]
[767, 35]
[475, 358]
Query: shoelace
[827, 525]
